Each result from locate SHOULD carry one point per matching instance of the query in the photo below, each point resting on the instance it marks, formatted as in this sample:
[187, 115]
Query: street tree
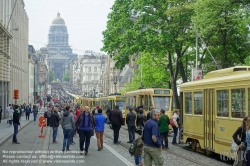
[224, 27]
[158, 27]
[51, 76]
[66, 76]
[151, 72]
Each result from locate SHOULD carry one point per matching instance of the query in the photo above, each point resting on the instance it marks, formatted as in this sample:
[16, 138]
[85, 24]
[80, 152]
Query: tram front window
[162, 102]
[121, 104]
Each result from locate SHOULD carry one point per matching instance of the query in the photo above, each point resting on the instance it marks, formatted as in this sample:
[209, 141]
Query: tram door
[209, 128]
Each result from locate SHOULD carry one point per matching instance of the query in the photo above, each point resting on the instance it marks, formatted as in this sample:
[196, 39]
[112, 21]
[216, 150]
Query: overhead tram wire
[218, 66]
[42, 43]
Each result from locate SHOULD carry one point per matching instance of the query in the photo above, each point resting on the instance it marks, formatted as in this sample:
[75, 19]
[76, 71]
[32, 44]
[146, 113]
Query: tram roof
[145, 91]
[234, 76]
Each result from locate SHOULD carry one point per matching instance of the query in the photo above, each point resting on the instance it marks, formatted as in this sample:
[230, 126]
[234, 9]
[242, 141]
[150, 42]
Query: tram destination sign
[162, 92]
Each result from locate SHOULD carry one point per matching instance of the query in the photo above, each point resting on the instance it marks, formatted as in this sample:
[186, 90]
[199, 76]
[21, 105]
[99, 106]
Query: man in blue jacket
[27, 112]
[99, 128]
[152, 140]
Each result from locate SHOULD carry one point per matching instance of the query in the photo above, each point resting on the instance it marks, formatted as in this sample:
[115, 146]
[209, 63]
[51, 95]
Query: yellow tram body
[213, 108]
[159, 98]
[110, 102]
[85, 101]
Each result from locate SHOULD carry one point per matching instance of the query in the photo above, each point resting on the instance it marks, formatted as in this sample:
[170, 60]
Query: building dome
[58, 20]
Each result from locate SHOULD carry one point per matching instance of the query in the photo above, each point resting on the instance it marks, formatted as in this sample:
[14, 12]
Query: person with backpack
[175, 126]
[136, 150]
[163, 127]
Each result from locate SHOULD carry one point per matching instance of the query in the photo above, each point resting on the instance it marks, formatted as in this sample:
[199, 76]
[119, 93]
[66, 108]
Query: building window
[89, 69]
[188, 103]
[198, 103]
[95, 77]
[89, 77]
[95, 69]
[238, 103]
[222, 103]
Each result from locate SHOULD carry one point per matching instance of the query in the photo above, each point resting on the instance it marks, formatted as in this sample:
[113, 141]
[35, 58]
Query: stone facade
[74, 72]
[14, 68]
[59, 52]
[91, 69]
[33, 59]
[110, 78]
[114, 80]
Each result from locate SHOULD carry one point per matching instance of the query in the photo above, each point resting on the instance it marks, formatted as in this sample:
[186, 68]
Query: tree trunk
[173, 80]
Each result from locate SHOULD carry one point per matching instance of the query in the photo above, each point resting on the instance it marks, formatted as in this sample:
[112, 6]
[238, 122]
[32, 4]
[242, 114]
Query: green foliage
[247, 61]
[66, 76]
[224, 27]
[151, 73]
[51, 76]
[164, 33]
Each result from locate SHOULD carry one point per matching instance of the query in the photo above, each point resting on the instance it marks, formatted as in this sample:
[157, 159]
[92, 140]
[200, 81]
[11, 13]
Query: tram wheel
[207, 152]
[193, 145]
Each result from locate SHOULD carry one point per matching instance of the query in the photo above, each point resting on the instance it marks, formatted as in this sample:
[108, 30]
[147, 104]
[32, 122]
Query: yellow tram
[159, 98]
[112, 100]
[213, 108]
[85, 101]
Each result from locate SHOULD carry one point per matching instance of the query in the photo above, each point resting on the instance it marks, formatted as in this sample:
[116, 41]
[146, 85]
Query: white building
[14, 23]
[92, 67]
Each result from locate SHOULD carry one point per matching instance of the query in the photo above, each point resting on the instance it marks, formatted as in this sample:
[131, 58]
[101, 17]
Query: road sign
[16, 94]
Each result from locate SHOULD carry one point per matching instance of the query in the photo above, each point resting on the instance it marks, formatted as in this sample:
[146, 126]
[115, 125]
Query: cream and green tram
[110, 102]
[213, 108]
[159, 98]
[96, 102]
[87, 102]
[77, 99]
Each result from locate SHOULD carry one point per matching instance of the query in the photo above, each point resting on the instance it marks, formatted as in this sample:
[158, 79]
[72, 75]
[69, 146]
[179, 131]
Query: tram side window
[188, 103]
[222, 103]
[111, 104]
[105, 105]
[131, 100]
[238, 103]
[146, 103]
[198, 103]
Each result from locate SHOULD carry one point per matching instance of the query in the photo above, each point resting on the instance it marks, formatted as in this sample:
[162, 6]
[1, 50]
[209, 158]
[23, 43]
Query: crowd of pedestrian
[75, 119]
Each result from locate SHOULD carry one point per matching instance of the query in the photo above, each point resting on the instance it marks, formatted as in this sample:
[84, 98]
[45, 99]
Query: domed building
[59, 52]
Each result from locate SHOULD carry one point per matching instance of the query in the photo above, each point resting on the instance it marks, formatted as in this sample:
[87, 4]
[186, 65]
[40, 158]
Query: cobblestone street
[184, 158]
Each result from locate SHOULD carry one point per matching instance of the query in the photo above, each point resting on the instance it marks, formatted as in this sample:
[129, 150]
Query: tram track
[169, 151]
[199, 161]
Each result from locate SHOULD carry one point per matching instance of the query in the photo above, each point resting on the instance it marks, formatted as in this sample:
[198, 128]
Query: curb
[13, 133]
[18, 131]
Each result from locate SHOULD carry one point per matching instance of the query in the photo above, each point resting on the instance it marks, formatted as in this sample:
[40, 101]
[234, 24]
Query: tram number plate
[222, 129]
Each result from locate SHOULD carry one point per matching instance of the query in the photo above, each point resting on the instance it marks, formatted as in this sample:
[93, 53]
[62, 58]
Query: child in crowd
[138, 144]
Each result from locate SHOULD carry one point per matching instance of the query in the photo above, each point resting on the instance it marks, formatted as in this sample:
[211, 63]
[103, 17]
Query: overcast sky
[85, 20]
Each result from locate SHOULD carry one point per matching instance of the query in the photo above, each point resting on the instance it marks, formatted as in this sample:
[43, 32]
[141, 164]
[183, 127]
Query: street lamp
[95, 83]
[115, 82]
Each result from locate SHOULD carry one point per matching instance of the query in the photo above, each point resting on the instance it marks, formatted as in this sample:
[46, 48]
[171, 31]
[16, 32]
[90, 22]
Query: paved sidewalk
[7, 131]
